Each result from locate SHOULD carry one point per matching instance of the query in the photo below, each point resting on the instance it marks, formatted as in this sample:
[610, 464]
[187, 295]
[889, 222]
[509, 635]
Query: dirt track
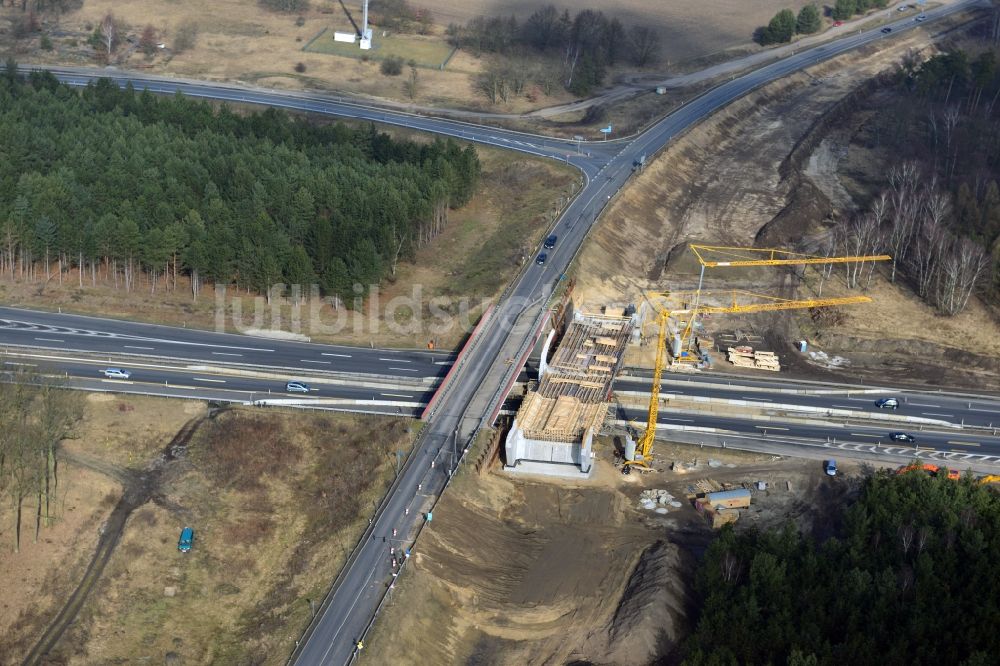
[139, 487]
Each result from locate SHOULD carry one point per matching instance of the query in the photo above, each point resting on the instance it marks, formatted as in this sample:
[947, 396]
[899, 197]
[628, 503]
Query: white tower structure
[366, 32]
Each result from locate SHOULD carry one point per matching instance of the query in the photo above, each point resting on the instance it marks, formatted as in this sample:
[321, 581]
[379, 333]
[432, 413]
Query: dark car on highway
[550, 242]
[887, 403]
[902, 437]
[541, 258]
[886, 30]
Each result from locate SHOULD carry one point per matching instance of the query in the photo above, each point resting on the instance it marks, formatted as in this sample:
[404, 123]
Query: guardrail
[469, 345]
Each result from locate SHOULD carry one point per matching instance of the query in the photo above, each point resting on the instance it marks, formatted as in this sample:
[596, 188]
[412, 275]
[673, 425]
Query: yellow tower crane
[731, 256]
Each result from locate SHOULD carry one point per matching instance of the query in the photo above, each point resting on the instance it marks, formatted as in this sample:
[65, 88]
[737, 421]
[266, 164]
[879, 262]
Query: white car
[116, 373]
[922, 17]
[297, 387]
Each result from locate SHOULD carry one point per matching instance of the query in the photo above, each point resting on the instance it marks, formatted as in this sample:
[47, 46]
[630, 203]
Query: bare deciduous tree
[108, 31]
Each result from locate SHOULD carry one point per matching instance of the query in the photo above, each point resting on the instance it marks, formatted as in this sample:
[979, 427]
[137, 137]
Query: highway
[968, 411]
[952, 446]
[63, 332]
[489, 368]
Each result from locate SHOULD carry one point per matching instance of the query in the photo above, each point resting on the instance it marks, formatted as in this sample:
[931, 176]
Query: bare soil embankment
[518, 571]
[768, 170]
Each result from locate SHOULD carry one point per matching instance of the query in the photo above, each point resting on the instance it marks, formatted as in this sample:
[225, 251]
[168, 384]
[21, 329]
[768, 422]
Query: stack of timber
[746, 357]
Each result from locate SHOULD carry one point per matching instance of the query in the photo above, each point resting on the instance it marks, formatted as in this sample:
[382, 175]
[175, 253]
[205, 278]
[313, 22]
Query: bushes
[187, 37]
[392, 66]
[287, 6]
[786, 25]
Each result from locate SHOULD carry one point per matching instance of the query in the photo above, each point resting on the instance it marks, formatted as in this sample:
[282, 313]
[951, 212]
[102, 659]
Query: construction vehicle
[933, 470]
[989, 478]
[645, 444]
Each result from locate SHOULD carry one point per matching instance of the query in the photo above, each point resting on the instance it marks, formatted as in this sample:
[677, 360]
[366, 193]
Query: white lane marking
[30, 365]
[676, 392]
[214, 381]
[135, 347]
[936, 414]
[671, 418]
[225, 354]
[442, 362]
[395, 395]
[405, 369]
[919, 404]
[305, 360]
[756, 399]
[115, 381]
[988, 411]
[842, 406]
[49, 340]
[863, 400]
[964, 443]
[395, 360]
[340, 355]
[768, 427]
[861, 434]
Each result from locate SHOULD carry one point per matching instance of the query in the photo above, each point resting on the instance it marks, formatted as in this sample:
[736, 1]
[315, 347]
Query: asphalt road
[955, 445]
[485, 373]
[77, 333]
[969, 411]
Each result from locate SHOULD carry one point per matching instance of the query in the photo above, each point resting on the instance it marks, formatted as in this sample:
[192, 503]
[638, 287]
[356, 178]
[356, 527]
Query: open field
[277, 500]
[688, 29]
[239, 41]
[424, 51]
[726, 182]
[479, 251]
[516, 571]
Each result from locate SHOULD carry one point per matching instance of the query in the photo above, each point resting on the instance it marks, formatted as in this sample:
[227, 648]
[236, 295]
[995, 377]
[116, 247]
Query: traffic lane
[953, 442]
[193, 379]
[95, 335]
[210, 394]
[951, 410]
[561, 149]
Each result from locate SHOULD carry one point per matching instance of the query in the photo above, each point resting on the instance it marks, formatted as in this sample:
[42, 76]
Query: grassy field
[277, 501]
[238, 40]
[425, 51]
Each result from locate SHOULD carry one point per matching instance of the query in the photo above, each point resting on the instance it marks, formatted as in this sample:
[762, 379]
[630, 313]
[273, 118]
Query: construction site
[554, 429]
[553, 432]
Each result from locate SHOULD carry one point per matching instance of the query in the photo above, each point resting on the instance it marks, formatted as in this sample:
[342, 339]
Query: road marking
[862, 434]
[757, 399]
[134, 347]
[443, 362]
[920, 404]
[964, 443]
[989, 411]
[842, 406]
[305, 360]
[769, 427]
[395, 360]
[861, 399]
[670, 418]
[49, 340]
[395, 395]
[116, 381]
[214, 381]
[30, 365]
[225, 354]
[405, 369]
[340, 355]
[936, 414]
